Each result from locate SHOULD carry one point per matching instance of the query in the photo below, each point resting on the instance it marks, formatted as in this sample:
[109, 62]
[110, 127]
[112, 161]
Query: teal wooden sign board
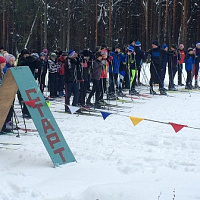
[42, 117]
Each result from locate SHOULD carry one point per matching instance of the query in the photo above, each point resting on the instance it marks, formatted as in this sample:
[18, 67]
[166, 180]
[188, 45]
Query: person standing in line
[189, 62]
[182, 53]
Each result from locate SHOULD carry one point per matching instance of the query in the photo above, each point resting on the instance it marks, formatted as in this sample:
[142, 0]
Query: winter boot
[163, 92]
[196, 85]
[152, 91]
[134, 92]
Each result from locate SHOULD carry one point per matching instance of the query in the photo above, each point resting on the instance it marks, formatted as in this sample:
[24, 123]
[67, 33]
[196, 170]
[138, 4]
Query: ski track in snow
[115, 160]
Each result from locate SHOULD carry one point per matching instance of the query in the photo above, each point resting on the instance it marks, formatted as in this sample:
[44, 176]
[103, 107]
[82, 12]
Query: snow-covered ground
[115, 160]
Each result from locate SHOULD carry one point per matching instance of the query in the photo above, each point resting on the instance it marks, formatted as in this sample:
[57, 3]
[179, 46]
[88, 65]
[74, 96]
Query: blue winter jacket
[6, 68]
[115, 64]
[189, 62]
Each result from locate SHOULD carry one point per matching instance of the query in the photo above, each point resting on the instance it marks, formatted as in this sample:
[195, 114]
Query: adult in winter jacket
[174, 57]
[53, 68]
[189, 62]
[95, 77]
[182, 53]
[197, 61]
[154, 55]
[72, 78]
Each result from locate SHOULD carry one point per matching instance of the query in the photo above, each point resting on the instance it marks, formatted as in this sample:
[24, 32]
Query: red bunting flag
[30, 103]
[177, 127]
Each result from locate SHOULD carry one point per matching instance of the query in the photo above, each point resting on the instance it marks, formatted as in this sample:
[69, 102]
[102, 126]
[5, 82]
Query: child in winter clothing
[164, 61]
[174, 57]
[105, 64]
[96, 74]
[72, 78]
[114, 70]
[2, 65]
[84, 66]
[132, 69]
[180, 64]
[189, 61]
[5, 65]
[61, 73]
[53, 67]
[42, 71]
[197, 61]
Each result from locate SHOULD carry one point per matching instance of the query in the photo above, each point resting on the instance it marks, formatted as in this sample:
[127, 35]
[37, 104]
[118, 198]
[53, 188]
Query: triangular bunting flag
[73, 109]
[30, 103]
[105, 114]
[136, 120]
[177, 127]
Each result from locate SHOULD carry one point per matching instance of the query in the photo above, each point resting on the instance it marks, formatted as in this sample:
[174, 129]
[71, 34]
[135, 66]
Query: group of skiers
[109, 72]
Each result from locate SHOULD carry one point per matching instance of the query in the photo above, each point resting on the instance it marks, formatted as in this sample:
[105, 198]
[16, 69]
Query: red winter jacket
[182, 53]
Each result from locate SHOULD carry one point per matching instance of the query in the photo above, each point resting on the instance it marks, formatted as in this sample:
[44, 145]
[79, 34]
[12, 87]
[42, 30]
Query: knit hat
[45, 51]
[71, 53]
[2, 60]
[164, 46]
[35, 55]
[9, 57]
[190, 49]
[104, 52]
[86, 53]
[42, 54]
[174, 46]
[138, 44]
[130, 48]
[53, 55]
[181, 45]
[98, 54]
[117, 46]
[25, 51]
[155, 42]
[198, 43]
[64, 53]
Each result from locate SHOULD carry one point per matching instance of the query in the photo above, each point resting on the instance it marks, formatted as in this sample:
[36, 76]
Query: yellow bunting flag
[136, 120]
[48, 103]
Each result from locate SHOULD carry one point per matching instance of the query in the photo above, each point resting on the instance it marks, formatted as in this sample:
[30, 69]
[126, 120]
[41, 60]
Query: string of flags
[135, 120]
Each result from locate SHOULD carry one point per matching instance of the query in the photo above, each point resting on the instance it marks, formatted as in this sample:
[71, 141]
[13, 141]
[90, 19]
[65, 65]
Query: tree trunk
[110, 23]
[45, 24]
[4, 23]
[96, 29]
[174, 21]
[166, 21]
[68, 24]
[147, 23]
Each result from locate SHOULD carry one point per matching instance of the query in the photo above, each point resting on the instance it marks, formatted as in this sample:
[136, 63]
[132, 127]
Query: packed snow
[115, 160]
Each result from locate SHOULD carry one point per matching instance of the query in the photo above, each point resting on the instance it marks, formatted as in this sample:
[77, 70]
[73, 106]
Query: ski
[27, 129]
[8, 148]
[9, 143]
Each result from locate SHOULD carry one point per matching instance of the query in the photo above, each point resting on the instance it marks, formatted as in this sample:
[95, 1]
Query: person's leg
[97, 88]
[101, 89]
[111, 81]
[76, 94]
[68, 92]
[91, 93]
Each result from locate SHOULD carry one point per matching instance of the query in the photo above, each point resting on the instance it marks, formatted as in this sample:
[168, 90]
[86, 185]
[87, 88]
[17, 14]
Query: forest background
[79, 24]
